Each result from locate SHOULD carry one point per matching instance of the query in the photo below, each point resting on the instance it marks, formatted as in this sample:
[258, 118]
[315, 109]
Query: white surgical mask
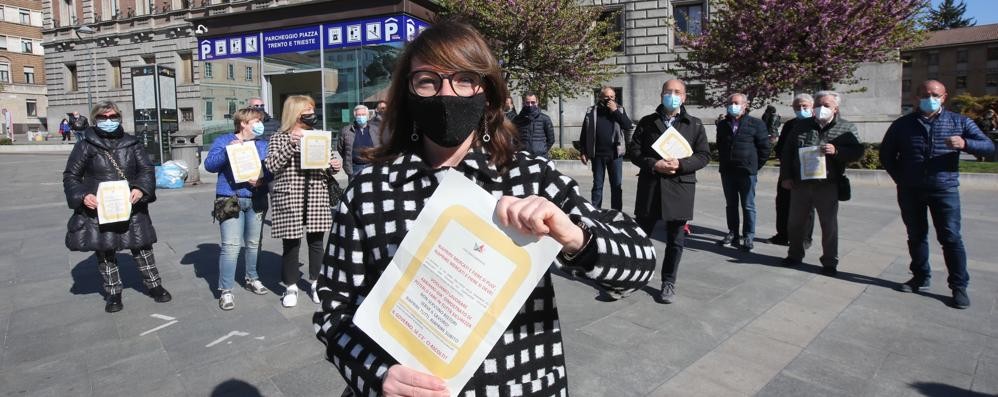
[824, 113]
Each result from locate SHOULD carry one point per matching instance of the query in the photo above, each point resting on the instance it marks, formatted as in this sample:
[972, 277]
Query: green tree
[766, 48]
[948, 15]
[550, 47]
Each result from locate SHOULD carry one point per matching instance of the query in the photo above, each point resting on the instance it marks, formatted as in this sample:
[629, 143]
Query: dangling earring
[485, 132]
[414, 137]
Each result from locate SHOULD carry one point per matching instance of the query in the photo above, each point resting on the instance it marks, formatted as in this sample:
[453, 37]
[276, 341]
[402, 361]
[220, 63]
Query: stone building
[22, 72]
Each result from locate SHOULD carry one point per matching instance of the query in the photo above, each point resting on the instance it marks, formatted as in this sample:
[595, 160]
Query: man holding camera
[602, 141]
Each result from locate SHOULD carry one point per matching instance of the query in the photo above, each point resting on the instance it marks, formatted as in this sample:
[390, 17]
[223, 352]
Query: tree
[549, 47]
[766, 48]
[948, 16]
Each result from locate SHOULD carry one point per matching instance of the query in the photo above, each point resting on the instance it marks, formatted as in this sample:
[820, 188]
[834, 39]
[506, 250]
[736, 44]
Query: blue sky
[985, 11]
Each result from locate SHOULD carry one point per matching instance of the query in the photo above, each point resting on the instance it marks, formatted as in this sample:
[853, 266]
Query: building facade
[23, 100]
[134, 33]
[965, 60]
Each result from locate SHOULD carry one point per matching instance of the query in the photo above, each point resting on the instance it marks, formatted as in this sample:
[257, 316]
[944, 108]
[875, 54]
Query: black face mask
[446, 120]
[309, 120]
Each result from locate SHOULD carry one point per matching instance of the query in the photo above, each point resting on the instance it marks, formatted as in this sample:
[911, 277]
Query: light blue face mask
[671, 102]
[109, 125]
[734, 110]
[361, 120]
[930, 105]
[258, 128]
[804, 114]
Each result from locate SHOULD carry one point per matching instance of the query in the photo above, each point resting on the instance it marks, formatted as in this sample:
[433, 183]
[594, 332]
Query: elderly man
[836, 142]
[355, 138]
[602, 142]
[742, 147]
[666, 187]
[802, 105]
[536, 130]
[921, 152]
[270, 124]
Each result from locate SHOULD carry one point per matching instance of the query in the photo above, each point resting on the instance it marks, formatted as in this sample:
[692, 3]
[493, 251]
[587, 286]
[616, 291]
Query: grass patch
[980, 167]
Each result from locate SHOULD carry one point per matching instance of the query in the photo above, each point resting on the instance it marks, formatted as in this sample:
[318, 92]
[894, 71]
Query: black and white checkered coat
[373, 218]
[287, 196]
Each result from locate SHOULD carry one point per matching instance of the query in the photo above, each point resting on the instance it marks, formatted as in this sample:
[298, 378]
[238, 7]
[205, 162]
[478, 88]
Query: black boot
[113, 303]
[160, 294]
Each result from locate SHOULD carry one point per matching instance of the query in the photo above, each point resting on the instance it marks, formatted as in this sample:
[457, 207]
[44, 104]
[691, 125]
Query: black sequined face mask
[447, 120]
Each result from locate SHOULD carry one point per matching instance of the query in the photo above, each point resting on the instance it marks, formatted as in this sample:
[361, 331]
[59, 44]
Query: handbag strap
[114, 163]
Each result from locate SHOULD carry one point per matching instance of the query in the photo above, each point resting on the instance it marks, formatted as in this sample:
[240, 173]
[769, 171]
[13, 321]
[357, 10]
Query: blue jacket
[916, 156]
[217, 161]
[746, 151]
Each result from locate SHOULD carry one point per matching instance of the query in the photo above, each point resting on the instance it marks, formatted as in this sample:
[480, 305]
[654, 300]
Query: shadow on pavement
[205, 262]
[235, 388]
[942, 390]
[87, 280]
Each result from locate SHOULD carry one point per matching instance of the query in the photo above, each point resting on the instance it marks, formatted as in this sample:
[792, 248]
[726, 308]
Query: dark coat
[86, 168]
[345, 144]
[916, 156]
[675, 193]
[745, 152]
[587, 137]
[807, 132]
[536, 132]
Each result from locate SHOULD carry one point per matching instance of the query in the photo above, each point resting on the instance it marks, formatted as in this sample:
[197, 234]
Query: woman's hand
[539, 216]
[405, 381]
[296, 135]
[336, 164]
[90, 201]
[136, 196]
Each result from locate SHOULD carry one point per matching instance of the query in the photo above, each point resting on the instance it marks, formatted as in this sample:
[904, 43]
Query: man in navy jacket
[921, 152]
[743, 147]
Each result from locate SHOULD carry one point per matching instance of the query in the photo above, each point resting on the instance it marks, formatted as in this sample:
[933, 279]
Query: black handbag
[845, 190]
[226, 208]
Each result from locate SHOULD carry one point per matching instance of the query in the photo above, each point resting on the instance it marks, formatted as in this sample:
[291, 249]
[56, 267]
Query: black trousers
[289, 258]
[675, 242]
[783, 216]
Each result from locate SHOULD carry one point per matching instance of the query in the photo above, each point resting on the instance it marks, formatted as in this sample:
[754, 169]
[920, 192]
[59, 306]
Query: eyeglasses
[426, 83]
[114, 117]
[259, 106]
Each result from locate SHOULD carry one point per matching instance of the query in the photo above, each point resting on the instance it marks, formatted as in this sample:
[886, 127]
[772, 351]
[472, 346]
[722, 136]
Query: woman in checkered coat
[446, 102]
[300, 198]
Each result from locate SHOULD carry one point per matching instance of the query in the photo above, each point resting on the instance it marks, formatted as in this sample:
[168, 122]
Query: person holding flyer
[246, 227]
[299, 196]
[106, 155]
[666, 184]
[447, 99]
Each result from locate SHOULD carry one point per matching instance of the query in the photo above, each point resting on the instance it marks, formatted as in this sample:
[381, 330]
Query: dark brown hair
[451, 46]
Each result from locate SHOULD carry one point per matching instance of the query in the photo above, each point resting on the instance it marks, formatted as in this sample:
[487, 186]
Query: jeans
[245, 230]
[944, 206]
[357, 168]
[739, 188]
[614, 167]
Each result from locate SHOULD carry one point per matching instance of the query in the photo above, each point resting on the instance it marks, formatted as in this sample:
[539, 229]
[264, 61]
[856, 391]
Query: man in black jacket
[603, 142]
[743, 147]
[666, 188]
[270, 124]
[78, 124]
[803, 106]
[536, 130]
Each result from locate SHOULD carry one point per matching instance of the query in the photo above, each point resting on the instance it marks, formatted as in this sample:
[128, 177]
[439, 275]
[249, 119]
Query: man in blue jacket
[921, 152]
[536, 129]
[742, 147]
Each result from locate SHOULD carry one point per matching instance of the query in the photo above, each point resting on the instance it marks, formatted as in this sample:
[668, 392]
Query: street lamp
[86, 29]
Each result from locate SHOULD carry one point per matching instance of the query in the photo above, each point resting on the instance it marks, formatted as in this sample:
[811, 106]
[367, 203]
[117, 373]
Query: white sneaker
[226, 301]
[315, 292]
[256, 287]
[290, 298]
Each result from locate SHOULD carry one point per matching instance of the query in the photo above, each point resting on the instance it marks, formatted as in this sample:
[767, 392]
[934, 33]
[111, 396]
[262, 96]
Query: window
[905, 86]
[32, 107]
[4, 73]
[26, 46]
[3, 43]
[29, 75]
[187, 68]
[961, 82]
[207, 110]
[689, 19]
[232, 109]
[696, 94]
[991, 80]
[933, 58]
[25, 17]
[72, 78]
[115, 73]
[961, 56]
[249, 73]
[187, 114]
[993, 53]
[207, 70]
[231, 72]
[614, 15]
